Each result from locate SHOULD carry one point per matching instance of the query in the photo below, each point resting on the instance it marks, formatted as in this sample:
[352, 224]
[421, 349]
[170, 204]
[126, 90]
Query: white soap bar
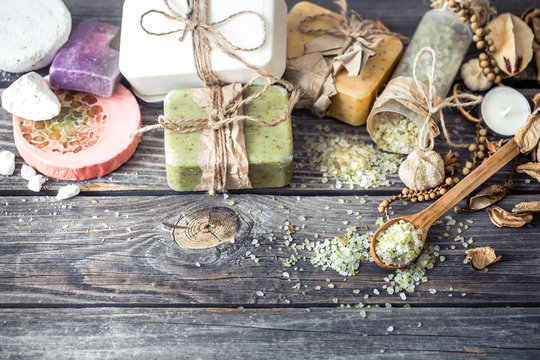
[155, 65]
[7, 163]
[68, 191]
[32, 32]
[35, 183]
[27, 172]
[31, 98]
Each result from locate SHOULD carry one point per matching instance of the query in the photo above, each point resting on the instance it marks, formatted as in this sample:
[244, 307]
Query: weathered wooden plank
[146, 169]
[143, 333]
[117, 250]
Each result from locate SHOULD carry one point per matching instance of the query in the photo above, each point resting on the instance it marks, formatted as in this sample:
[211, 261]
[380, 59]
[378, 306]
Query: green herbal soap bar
[270, 149]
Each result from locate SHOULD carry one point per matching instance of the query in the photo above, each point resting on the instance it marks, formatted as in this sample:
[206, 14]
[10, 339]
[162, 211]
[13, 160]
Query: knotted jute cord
[205, 38]
[365, 32]
[425, 97]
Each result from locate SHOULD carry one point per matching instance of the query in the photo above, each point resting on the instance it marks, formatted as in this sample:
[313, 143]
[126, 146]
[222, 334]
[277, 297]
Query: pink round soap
[88, 139]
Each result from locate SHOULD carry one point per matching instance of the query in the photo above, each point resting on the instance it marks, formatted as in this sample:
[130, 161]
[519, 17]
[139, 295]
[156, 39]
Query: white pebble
[67, 192]
[31, 98]
[32, 33]
[27, 172]
[35, 183]
[7, 163]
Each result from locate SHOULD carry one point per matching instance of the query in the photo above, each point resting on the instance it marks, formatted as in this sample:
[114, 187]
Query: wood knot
[209, 227]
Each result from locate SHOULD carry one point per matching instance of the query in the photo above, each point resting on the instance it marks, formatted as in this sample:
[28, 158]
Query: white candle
[155, 65]
[505, 110]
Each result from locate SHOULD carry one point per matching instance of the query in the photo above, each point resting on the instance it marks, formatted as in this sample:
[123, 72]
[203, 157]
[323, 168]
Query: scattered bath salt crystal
[226, 196]
[403, 296]
[369, 167]
[27, 172]
[286, 274]
[470, 221]
[356, 291]
[390, 328]
[7, 163]
[35, 183]
[331, 286]
[260, 293]
[198, 264]
[399, 243]
[419, 324]
[363, 315]
[318, 287]
[335, 300]
[376, 292]
[432, 291]
[396, 133]
[67, 192]
[231, 203]
[301, 218]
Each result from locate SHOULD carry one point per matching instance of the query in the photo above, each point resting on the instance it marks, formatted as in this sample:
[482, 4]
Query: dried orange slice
[88, 139]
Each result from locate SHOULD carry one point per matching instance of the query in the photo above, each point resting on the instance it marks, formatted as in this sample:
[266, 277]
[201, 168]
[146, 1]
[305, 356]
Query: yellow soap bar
[355, 95]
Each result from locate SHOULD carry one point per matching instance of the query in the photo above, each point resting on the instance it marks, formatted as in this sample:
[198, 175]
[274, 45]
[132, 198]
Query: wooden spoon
[426, 218]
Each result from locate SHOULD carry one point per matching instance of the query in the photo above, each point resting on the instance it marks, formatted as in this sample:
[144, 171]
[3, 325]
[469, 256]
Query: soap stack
[75, 124]
[159, 67]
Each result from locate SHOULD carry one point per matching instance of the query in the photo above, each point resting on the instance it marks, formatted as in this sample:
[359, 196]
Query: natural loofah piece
[474, 77]
[422, 170]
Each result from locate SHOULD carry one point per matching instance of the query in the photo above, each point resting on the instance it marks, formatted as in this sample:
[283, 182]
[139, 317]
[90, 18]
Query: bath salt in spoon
[412, 240]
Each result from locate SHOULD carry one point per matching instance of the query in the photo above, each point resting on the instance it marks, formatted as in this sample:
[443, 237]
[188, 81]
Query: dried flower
[473, 76]
[488, 196]
[512, 39]
[532, 17]
[503, 218]
[422, 170]
[482, 257]
[527, 136]
[527, 207]
[531, 169]
[450, 163]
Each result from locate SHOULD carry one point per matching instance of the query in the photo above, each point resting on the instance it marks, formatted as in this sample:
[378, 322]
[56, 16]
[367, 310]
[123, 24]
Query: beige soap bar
[355, 95]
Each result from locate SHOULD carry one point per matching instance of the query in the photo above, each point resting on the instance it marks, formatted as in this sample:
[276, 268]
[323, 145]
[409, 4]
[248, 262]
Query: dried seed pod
[482, 257]
[503, 218]
[527, 207]
[513, 40]
[531, 169]
[473, 75]
[488, 196]
[527, 136]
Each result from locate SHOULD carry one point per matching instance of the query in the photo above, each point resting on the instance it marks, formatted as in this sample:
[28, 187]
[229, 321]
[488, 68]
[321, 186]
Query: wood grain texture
[146, 169]
[119, 250]
[142, 333]
[100, 276]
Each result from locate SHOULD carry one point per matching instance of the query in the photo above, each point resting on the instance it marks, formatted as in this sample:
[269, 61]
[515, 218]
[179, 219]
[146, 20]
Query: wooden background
[99, 276]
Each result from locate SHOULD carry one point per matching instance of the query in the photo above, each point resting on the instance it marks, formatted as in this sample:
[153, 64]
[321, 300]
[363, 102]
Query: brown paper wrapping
[231, 155]
[326, 55]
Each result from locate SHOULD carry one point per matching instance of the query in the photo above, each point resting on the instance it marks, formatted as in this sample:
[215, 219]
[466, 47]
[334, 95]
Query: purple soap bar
[87, 62]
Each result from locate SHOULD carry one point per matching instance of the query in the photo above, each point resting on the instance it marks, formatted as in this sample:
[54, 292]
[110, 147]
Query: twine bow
[360, 38]
[353, 28]
[425, 97]
[220, 113]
